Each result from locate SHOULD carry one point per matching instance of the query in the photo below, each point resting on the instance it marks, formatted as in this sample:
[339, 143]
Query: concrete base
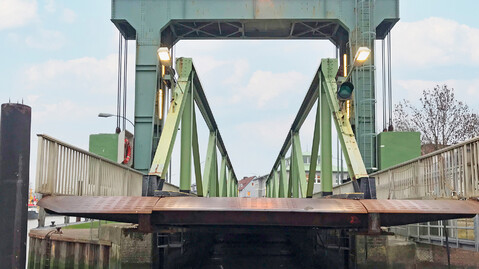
[112, 246]
[397, 252]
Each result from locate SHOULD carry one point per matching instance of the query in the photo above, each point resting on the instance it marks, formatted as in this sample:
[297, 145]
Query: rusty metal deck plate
[260, 204]
[326, 213]
[99, 204]
[259, 211]
[421, 206]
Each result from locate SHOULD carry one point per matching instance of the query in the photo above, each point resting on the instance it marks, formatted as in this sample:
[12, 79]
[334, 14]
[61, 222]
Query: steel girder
[188, 92]
[323, 92]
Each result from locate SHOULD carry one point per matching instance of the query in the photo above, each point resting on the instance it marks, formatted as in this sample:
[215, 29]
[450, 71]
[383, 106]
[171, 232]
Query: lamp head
[362, 54]
[164, 55]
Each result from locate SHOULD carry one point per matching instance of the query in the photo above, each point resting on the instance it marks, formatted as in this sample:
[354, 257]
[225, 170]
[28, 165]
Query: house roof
[244, 182]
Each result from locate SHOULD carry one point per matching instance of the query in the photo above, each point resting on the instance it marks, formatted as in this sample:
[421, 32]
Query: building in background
[340, 174]
[252, 186]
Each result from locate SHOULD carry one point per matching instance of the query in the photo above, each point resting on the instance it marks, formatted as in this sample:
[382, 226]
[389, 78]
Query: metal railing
[452, 172]
[63, 169]
[462, 233]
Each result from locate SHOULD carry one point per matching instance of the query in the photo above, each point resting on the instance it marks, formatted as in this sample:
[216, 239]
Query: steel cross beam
[186, 93]
[323, 92]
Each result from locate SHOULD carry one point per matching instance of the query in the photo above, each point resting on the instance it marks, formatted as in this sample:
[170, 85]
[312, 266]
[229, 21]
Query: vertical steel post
[209, 166]
[300, 172]
[186, 141]
[145, 93]
[15, 125]
[275, 185]
[326, 146]
[293, 178]
[196, 156]
[223, 190]
[280, 184]
[283, 190]
[314, 150]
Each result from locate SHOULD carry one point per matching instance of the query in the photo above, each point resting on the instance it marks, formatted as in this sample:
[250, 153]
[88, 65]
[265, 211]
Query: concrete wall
[396, 252]
[113, 246]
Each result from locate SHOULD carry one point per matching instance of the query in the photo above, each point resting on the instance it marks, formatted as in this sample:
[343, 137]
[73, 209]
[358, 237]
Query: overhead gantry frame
[347, 24]
[323, 91]
[186, 93]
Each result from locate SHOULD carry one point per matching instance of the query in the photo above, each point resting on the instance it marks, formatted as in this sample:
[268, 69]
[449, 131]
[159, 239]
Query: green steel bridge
[289, 211]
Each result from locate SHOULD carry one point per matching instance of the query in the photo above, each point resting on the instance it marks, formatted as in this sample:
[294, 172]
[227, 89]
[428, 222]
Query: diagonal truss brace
[324, 82]
[187, 92]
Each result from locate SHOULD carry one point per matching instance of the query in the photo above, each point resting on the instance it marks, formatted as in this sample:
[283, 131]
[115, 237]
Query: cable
[125, 76]
[384, 85]
[118, 96]
[390, 128]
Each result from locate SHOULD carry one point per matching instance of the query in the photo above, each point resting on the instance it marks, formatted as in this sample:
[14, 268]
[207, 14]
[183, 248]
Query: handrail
[452, 172]
[434, 153]
[63, 169]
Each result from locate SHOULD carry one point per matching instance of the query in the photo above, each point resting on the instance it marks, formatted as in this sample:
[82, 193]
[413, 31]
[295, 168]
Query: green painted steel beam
[186, 141]
[300, 173]
[249, 19]
[326, 146]
[352, 155]
[196, 157]
[146, 79]
[163, 152]
[223, 187]
[283, 180]
[325, 78]
[208, 174]
[314, 151]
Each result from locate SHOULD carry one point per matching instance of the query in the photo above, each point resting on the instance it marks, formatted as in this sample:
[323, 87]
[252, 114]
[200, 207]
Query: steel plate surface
[99, 204]
[421, 206]
[260, 204]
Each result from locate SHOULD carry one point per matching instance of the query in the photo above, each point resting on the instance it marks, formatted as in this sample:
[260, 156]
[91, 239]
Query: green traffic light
[345, 91]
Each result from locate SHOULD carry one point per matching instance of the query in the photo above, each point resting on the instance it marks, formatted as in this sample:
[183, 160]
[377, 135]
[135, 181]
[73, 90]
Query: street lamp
[107, 115]
[164, 55]
[346, 88]
[362, 54]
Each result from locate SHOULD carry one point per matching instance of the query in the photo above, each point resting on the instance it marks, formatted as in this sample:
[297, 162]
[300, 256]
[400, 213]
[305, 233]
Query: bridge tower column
[364, 121]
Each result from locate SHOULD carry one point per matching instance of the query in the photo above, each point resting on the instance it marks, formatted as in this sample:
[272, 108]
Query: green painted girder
[314, 151]
[172, 20]
[187, 92]
[324, 82]
[326, 145]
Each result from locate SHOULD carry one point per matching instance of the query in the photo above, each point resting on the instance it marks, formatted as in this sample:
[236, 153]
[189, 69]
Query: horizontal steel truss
[323, 90]
[186, 93]
[244, 29]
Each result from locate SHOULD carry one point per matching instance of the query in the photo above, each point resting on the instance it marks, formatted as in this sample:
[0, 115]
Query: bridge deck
[324, 213]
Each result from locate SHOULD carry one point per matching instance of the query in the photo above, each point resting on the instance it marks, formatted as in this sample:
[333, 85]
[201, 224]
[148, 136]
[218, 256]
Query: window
[249, 193]
[252, 184]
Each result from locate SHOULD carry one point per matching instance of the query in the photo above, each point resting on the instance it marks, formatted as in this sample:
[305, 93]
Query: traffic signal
[345, 91]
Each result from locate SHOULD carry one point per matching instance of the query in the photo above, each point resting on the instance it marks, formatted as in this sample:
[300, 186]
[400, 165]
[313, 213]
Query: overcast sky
[60, 57]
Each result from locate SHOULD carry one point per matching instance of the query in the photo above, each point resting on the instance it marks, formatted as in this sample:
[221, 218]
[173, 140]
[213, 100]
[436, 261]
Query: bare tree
[441, 119]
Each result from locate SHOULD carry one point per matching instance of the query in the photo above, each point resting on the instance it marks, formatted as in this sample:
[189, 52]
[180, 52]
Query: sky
[60, 58]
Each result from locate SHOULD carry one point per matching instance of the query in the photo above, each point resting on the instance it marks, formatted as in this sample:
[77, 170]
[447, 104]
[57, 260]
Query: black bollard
[15, 123]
